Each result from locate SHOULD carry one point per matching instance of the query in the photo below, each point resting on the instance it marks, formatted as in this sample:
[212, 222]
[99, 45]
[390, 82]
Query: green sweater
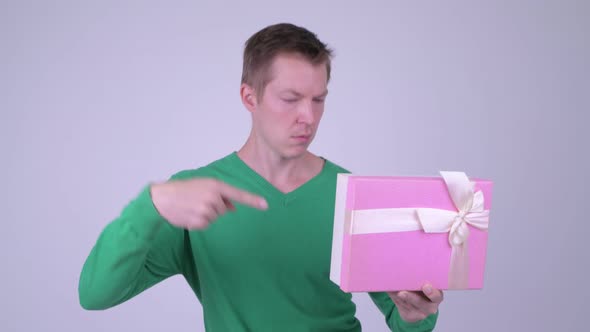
[252, 270]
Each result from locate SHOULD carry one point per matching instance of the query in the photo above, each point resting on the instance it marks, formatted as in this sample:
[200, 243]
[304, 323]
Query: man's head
[284, 84]
[283, 38]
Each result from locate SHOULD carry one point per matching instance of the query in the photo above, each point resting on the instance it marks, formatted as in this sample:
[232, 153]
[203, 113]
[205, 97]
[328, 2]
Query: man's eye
[319, 100]
[290, 101]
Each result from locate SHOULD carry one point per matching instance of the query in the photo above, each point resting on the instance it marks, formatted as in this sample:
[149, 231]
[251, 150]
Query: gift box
[396, 233]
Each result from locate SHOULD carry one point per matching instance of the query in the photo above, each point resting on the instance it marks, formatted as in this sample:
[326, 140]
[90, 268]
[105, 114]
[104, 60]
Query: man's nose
[306, 112]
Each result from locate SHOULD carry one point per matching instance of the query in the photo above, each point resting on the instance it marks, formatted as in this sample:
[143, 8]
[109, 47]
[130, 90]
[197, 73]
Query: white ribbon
[469, 211]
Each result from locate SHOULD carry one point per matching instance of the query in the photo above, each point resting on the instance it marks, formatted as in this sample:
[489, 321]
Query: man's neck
[286, 174]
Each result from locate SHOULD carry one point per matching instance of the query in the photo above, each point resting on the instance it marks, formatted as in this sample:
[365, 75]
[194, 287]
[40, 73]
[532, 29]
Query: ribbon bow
[470, 210]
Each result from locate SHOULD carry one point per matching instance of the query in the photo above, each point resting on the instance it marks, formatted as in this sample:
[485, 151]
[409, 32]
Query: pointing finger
[241, 196]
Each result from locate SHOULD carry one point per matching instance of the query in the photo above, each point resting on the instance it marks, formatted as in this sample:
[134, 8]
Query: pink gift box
[381, 241]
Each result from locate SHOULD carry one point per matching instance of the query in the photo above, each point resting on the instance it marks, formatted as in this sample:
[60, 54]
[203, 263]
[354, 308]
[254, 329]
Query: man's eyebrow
[292, 92]
[324, 94]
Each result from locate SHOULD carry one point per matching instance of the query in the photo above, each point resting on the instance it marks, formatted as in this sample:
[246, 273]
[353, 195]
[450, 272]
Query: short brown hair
[262, 47]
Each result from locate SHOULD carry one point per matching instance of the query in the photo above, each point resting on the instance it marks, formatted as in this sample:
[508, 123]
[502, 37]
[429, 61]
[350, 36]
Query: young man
[251, 232]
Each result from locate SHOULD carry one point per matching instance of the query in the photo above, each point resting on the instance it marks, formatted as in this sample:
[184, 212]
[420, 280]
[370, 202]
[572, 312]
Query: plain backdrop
[99, 98]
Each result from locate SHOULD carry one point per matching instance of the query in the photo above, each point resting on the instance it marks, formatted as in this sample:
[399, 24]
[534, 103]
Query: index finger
[241, 196]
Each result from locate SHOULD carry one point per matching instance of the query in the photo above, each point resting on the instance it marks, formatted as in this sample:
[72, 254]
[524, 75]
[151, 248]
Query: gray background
[99, 98]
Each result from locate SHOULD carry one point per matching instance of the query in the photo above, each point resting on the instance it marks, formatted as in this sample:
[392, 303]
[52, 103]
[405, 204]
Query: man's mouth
[302, 138]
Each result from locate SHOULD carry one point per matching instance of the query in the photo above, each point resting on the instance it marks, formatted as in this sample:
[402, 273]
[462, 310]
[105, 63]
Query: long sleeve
[394, 320]
[134, 252]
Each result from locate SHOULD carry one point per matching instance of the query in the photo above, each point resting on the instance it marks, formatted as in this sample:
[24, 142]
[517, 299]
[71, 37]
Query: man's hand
[195, 203]
[415, 306]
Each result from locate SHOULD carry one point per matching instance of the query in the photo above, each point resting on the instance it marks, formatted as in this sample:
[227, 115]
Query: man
[251, 232]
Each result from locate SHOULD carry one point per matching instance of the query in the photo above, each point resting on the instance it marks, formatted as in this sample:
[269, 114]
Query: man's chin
[295, 152]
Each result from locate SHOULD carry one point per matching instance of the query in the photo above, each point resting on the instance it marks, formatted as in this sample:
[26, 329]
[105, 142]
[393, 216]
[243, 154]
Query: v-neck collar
[270, 188]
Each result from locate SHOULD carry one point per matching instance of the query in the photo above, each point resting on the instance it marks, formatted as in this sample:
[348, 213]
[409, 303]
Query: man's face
[287, 117]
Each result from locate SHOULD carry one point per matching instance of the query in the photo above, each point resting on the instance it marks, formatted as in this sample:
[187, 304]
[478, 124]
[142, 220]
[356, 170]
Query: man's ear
[248, 95]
